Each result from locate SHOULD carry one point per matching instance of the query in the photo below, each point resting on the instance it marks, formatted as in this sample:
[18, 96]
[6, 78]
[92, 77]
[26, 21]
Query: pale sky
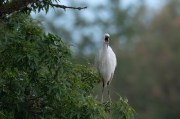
[155, 4]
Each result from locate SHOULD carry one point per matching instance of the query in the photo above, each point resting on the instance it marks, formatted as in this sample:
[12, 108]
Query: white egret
[105, 63]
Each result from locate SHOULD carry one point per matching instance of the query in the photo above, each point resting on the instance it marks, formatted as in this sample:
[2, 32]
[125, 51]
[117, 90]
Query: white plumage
[105, 62]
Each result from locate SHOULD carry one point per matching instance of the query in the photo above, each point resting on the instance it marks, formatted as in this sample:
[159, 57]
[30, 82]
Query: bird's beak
[108, 42]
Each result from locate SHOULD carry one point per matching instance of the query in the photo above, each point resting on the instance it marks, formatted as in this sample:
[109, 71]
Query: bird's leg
[109, 92]
[102, 92]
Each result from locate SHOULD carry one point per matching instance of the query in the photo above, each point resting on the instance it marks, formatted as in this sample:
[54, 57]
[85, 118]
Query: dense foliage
[38, 80]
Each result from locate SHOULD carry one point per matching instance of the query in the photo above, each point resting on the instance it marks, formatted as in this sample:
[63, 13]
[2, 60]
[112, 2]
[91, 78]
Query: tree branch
[13, 6]
[64, 7]
[16, 5]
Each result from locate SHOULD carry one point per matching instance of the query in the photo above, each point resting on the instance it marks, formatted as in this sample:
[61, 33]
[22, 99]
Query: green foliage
[37, 79]
[122, 110]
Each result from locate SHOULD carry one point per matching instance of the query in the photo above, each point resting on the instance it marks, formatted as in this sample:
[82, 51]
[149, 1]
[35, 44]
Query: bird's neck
[105, 46]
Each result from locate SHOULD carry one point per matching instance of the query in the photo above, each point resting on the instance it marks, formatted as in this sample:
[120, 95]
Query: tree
[37, 78]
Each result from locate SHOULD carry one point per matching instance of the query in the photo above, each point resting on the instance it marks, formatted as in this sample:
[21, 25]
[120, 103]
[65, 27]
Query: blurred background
[146, 40]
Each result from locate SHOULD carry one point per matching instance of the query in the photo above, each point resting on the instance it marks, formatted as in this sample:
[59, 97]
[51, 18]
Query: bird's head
[106, 38]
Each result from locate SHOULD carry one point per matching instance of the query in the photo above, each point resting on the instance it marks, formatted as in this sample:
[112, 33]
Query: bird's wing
[114, 60]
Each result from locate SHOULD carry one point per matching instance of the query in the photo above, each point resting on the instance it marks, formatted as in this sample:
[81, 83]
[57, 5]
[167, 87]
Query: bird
[105, 62]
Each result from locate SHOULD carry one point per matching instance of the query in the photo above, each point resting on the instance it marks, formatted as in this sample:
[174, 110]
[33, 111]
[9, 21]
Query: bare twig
[64, 7]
